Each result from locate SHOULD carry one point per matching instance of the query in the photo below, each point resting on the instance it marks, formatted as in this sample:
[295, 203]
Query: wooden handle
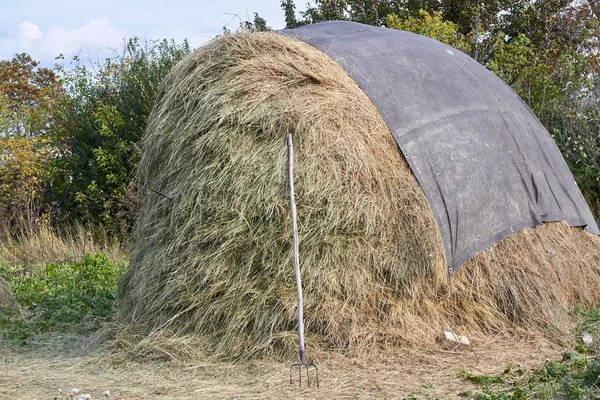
[296, 249]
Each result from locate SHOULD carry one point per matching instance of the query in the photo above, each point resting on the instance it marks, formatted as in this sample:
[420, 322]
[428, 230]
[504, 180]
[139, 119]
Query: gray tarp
[486, 164]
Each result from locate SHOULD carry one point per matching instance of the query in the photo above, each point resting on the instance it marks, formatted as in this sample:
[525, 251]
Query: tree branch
[595, 6]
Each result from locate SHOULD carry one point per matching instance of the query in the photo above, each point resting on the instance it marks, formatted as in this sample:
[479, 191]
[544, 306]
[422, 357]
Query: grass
[55, 298]
[46, 244]
[576, 376]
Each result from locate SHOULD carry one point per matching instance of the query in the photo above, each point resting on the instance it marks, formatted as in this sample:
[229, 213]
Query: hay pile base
[212, 253]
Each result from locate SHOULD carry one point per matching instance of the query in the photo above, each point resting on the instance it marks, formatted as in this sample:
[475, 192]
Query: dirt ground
[39, 373]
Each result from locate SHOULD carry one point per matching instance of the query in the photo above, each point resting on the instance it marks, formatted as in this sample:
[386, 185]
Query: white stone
[587, 339]
[456, 338]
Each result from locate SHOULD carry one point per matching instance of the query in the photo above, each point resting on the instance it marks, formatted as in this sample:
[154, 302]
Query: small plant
[576, 376]
[479, 379]
[57, 297]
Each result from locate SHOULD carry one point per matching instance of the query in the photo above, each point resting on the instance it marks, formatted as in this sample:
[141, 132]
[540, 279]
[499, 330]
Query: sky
[47, 28]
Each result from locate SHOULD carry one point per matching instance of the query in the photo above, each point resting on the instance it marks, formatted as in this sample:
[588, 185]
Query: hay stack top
[486, 164]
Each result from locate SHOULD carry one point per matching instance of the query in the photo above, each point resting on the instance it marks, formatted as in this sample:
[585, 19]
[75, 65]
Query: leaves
[576, 376]
[103, 119]
[433, 26]
[59, 296]
[29, 96]
[24, 173]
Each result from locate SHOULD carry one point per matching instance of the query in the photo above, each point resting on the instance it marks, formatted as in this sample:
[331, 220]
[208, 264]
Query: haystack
[212, 252]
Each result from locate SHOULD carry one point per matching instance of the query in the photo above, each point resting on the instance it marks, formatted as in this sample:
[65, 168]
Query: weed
[479, 379]
[58, 297]
[576, 376]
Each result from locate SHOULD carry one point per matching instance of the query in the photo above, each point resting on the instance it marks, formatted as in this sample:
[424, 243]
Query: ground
[64, 335]
[38, 373]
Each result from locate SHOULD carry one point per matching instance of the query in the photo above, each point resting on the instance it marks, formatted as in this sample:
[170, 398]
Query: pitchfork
[302, 362]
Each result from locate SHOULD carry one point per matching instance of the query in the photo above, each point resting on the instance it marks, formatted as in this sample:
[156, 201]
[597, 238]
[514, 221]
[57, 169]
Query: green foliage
[327, 11]
[573, 378]
[101, 124]
[24, 175]
[29, 96]
[56, 297]
[479, 379]
[289, 10]
[29, 99]
[258, 24]
[82, 126]
[467, 15]
[576, 376]
[589, 318]
[432, 26]
[576, 129]
[549, 56]
[364, 11]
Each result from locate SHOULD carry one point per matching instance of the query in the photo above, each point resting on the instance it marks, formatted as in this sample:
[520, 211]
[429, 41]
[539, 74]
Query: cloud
[30, 31]
[96, 35]
[92, 38]
[46, 29]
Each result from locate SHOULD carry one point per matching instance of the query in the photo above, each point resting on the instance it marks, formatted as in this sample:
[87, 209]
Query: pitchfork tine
[307, 365]
[307, 376]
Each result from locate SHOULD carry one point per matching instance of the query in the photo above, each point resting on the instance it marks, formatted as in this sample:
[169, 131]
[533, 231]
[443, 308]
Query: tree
[29, 97]
[289, 10]
[372, 12]
[100, 125]
[432, 26]
[24, 174]
[259, 24]
[29, 100]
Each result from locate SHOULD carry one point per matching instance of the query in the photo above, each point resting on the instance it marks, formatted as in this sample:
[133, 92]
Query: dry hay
[6, 296]
[213, 255]
[37, 373]
[46, 244]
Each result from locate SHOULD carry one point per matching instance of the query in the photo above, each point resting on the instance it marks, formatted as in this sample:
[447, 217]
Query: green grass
[576, 376]
[59, 297]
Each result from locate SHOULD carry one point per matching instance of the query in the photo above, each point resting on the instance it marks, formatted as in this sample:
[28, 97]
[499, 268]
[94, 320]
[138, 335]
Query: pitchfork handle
[296, 250]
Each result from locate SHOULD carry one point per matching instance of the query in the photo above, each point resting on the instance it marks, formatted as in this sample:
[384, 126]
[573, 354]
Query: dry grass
[213, 256]
[433, 374]
[6, 297]
[48, 245]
